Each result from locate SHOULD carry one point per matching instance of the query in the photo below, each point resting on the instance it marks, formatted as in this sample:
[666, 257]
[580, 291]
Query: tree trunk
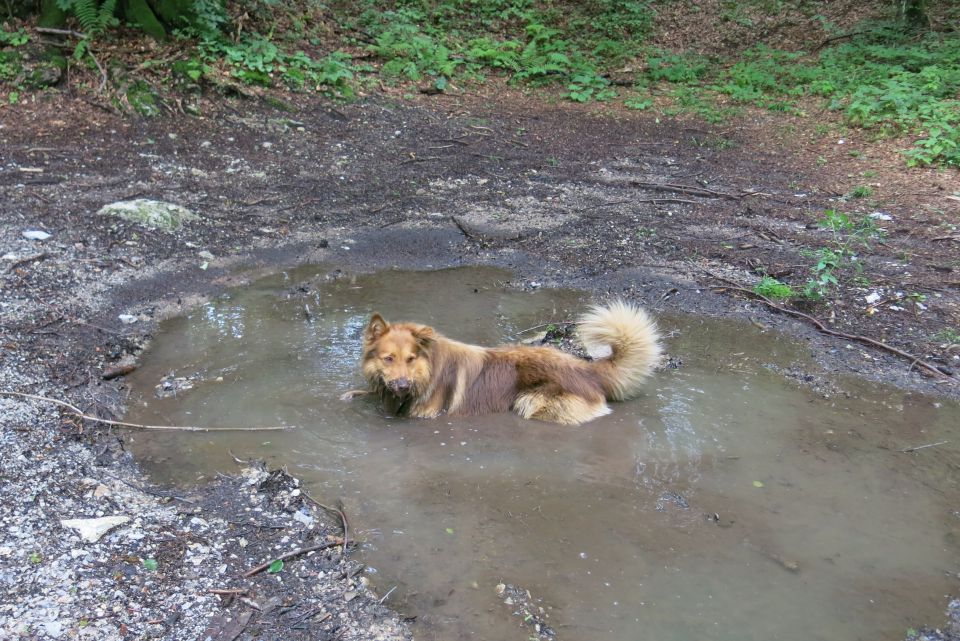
[914, 13]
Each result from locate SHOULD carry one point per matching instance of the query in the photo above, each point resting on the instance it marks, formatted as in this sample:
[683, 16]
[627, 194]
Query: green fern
[94, 16]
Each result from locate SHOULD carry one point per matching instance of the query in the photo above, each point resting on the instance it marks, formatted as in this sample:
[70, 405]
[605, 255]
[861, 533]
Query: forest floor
[672, 212]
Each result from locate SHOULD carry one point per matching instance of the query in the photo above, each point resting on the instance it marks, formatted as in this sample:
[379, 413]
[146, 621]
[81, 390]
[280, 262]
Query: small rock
[127, 319]
[155, 214]
[205, 255]
[35, 234]
[53, 628]
[91, 530]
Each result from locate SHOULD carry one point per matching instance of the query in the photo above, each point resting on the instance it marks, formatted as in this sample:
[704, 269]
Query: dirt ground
[672, 213]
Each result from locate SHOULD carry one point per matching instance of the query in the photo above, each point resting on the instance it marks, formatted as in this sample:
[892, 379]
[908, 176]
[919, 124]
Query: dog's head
[396, 357]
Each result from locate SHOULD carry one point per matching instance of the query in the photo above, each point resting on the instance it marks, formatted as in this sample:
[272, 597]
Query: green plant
[823, 279]
[94, 16]
[948, 335]
[638, 102]
[861, 191]
[586, 86]
[848, 235]
[772, 288]
[16, 38]
[676, 68]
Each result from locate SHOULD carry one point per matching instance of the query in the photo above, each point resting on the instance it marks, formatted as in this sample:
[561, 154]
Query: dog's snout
[400, 385]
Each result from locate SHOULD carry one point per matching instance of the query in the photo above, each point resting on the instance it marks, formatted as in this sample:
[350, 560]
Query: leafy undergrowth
[882, 77]
[884, 80]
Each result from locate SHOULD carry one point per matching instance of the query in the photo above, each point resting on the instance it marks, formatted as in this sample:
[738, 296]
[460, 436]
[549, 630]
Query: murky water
[726, 503]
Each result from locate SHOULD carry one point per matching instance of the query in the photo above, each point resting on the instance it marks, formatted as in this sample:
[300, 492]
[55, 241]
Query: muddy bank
[560, 197]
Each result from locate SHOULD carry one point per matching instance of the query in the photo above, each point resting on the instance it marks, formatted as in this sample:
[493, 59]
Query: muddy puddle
[726, 503]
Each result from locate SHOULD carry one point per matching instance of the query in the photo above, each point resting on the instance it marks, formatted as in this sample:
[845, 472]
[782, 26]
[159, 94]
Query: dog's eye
[388, 359]
[411, 358]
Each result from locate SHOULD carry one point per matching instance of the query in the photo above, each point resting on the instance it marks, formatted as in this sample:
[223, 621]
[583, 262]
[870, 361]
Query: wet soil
[667, 212]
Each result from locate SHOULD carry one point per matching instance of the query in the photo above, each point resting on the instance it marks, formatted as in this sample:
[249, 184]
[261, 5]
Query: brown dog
[417, 372]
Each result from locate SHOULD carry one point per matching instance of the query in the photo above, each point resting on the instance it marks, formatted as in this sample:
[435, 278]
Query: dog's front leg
[352, 394]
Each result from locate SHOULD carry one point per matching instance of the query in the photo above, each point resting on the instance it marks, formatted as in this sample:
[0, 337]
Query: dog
[417, 372]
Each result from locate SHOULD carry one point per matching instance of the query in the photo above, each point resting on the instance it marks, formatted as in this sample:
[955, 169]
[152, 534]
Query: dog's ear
[425, 336]
[376, 328]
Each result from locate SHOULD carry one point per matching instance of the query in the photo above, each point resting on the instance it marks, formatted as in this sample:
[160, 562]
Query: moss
[150, 213]
[142, 99]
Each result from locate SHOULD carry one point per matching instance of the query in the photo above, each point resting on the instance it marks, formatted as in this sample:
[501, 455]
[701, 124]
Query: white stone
[91, 530]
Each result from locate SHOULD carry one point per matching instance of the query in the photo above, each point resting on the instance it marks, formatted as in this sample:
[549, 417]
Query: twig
[686, 189]
[419, 159]
[384, 597]
[462, 228]
[923, 447]
[542, 325]
[180, 428]
[343, 519]
[289, 555]
[915, 360]
[641, 200]
[312, 613]
[103, 72]
[842, 36]
[24, 261]
[60, 32]
[228, 590]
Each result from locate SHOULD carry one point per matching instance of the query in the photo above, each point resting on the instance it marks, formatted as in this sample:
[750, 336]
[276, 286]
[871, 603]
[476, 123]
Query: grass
[774, 289]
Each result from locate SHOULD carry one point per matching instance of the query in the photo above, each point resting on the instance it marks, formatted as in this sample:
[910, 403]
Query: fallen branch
[914, 360]
[228, 590]
[179, 428]
[289, 555]
[343, 519]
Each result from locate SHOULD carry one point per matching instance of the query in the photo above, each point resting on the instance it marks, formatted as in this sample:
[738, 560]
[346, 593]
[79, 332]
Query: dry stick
[228, 590]
[343, 520]
[289, 555]
[923, 447]
[914, 360]
[642, 200]
[24, 261]
[685, 189]
[103, 72]
[60, 32]
[180, 428]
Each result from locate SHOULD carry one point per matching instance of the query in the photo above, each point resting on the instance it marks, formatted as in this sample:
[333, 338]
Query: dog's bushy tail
[634, 344]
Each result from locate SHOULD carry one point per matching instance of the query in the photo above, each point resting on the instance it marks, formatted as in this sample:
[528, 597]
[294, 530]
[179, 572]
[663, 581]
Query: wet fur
[418, 372]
